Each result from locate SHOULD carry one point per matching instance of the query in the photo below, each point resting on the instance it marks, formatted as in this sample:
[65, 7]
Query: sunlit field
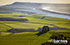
[30, 22]
[28, 38]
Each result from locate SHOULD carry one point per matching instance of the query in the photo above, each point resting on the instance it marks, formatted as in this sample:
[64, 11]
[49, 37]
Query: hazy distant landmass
[25, 5]
[59, 8]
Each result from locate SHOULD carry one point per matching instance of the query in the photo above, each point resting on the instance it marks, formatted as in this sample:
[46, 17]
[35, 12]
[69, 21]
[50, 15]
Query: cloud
[4, 2]
[46, 1]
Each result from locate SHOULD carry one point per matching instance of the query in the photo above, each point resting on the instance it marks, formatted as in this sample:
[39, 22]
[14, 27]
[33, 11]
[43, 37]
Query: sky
[5, 2]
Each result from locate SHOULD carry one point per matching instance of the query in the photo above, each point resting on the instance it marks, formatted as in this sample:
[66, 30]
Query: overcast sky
[4, 2]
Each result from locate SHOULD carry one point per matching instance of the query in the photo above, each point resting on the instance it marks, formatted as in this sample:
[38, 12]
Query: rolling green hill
[28, 38]
[34, 22]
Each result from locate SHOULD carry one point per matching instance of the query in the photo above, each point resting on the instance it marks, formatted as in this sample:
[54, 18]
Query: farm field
[35, 23]
[28, 38]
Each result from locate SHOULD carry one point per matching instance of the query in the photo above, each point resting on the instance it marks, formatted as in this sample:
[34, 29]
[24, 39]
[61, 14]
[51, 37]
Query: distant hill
[20, 7]
[25, 5]
[6, 10]
[28, 7]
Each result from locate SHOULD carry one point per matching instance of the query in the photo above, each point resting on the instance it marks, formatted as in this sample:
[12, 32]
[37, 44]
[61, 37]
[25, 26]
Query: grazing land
[31, 22]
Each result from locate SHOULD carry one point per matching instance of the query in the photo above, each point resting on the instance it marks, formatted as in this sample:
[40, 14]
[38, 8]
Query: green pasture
[28, 38]
[27, 25]
[4, 27]
[34, 22]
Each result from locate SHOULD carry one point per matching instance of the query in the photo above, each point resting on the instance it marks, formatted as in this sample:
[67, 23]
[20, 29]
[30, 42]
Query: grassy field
[34, 22]
[27, 38]
[4, 27]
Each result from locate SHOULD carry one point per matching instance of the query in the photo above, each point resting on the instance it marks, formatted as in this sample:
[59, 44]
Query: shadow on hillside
[21, 30]
[12, 19]
[32, 30]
